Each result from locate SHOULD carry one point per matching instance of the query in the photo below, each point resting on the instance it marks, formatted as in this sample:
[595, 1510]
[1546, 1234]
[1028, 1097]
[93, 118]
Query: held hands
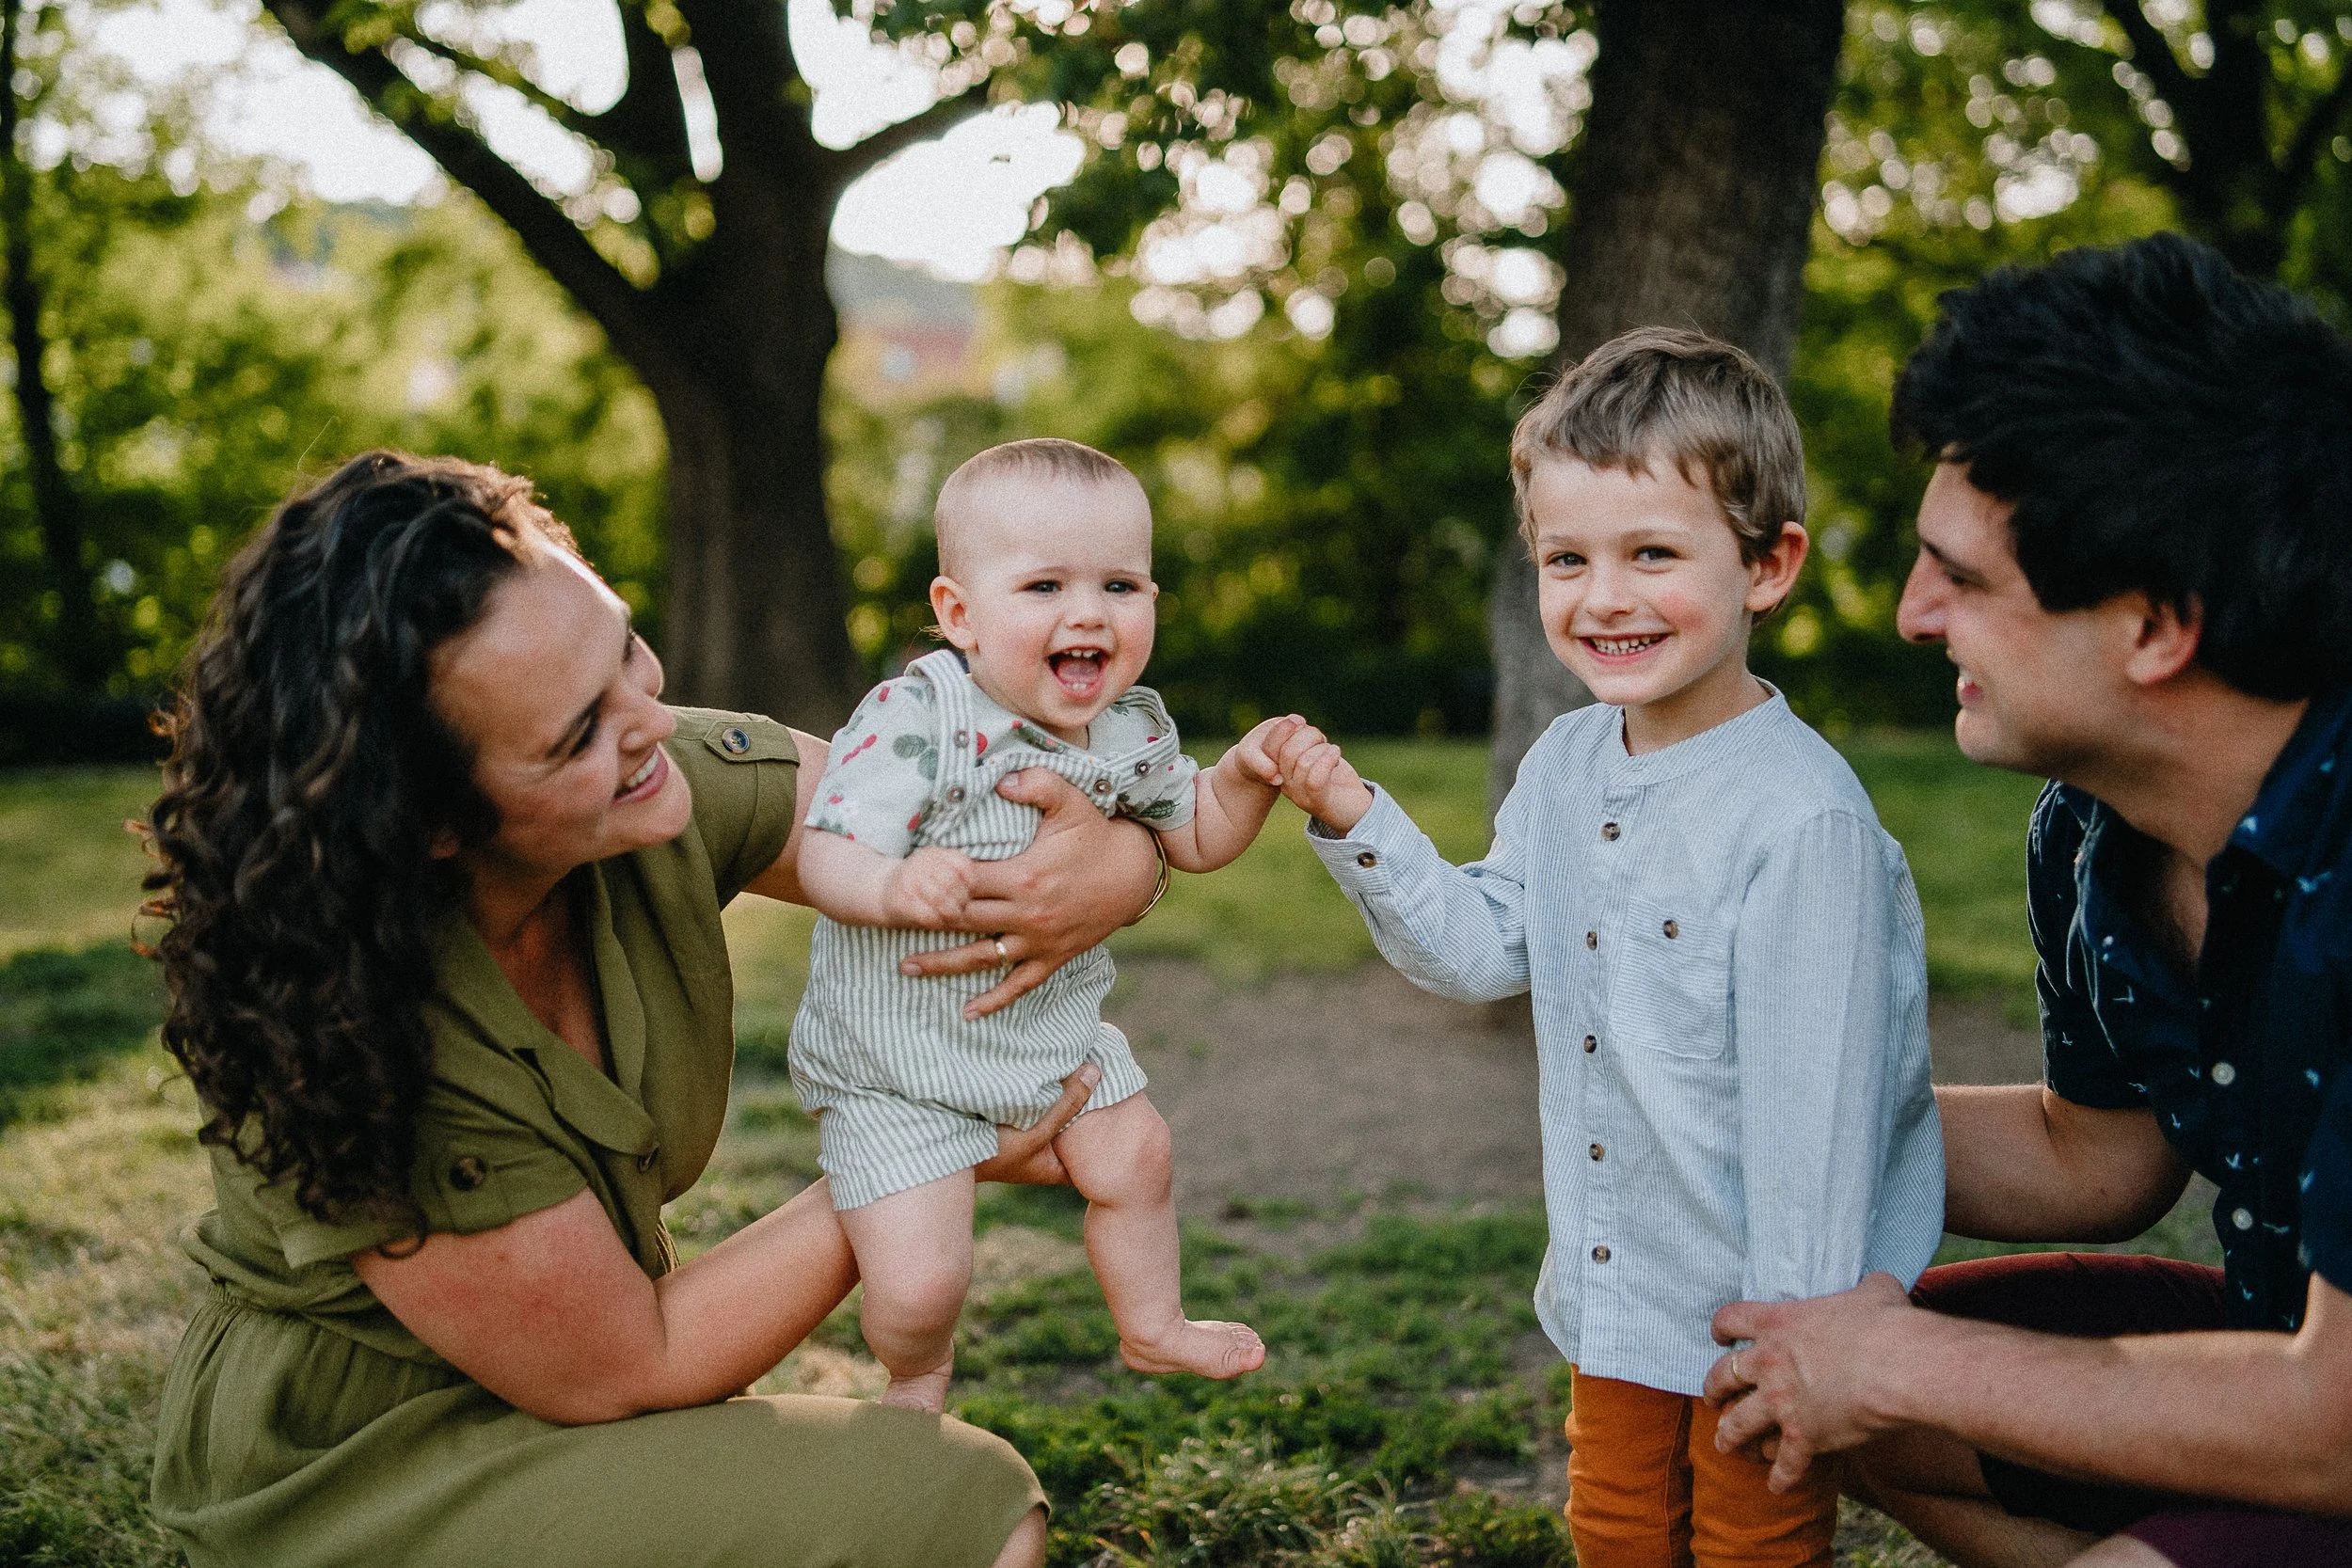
[1292, 755]
[928, 890]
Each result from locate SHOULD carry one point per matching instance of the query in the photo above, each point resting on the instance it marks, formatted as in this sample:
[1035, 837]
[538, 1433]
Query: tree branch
[2151, 52]
[505, 73]
[648, 123]
[628, 314]
[850, 162]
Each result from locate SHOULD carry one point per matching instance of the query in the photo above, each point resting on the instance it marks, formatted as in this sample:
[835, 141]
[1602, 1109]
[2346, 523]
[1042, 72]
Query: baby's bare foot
[925, 1391]
[1210, 1348]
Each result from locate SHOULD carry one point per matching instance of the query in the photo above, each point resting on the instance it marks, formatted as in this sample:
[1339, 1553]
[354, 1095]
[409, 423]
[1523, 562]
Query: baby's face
[1047, 588]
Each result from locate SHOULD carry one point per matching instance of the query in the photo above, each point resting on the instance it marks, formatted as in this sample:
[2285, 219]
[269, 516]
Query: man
[2138, 549]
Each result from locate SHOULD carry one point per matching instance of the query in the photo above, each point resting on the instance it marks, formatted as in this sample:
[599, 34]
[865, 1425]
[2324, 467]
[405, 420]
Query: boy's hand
[1319, 781]
[1253, 758]
[929, 889]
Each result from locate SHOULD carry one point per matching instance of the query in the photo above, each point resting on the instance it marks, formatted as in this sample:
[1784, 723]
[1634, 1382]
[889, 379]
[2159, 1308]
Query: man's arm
[2257, 1417]
[2023, 1165]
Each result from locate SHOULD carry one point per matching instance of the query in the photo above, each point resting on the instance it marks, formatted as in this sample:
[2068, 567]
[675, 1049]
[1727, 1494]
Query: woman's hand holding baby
[1319, 779]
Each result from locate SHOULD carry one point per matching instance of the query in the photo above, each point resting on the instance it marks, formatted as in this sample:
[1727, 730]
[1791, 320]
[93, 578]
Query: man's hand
[928, 890]
[1026, 1154]
[1812, 1371]
[1080, 880]
[1319, 779]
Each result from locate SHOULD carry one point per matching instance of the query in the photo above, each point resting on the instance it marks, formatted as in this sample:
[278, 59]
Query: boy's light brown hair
[1043, 458]
[1662, 394]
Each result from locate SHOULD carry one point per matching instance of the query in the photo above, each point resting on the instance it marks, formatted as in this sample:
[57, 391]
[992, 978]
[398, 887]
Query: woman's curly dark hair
[309, 779]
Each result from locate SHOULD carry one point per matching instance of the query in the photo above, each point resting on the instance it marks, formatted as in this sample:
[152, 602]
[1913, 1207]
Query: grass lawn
[1392, 1377]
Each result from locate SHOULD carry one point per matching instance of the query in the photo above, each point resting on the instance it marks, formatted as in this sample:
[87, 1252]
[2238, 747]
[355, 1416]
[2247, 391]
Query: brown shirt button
[1592, 939]
[1592, 1043]
[1367, 859]
[1600, 1255]
[468, 1173]
[1595, 1151]
[1609, 831]
[1671, 929]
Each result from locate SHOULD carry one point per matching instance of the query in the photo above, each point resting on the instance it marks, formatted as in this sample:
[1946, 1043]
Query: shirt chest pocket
[1670, 988]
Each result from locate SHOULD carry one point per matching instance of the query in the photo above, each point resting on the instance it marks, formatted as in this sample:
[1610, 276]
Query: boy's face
[1643, 593]
[1051, 596]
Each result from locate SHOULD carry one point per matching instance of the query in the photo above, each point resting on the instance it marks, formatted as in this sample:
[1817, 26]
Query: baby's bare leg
[1120, 1158]
[915, 1253]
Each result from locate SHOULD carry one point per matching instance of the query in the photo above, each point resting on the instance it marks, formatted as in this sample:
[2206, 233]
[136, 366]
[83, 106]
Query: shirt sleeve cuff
[1358, 859]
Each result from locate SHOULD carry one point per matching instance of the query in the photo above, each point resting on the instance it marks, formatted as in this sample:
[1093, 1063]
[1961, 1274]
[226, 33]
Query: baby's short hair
[1042, 457]
[1662, 392]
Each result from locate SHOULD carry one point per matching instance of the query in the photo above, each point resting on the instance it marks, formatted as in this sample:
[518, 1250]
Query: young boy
[1723, 946]
[1045, 592]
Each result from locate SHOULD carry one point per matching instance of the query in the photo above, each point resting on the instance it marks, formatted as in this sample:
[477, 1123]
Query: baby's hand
[1252, 757]
[1319, 781]
[929, 889]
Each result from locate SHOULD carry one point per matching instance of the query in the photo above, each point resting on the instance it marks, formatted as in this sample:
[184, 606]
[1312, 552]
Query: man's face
[2039, 692]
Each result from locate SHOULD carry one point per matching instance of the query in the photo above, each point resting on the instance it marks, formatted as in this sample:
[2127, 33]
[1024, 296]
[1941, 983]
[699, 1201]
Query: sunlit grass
[68, 873]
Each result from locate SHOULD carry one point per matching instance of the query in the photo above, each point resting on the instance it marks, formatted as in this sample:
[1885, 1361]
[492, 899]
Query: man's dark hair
[2161, 424]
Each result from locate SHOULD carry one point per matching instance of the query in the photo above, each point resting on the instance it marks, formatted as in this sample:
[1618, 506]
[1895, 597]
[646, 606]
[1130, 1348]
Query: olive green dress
[303, 1425]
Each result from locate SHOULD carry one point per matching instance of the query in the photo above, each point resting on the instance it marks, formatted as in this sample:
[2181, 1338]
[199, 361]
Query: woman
[447, 972]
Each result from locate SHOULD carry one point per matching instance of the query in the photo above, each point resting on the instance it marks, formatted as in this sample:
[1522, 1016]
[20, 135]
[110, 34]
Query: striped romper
[906, 1089]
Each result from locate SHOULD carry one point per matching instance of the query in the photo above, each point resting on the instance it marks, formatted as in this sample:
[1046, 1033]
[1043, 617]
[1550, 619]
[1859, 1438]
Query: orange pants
[1646, 1489]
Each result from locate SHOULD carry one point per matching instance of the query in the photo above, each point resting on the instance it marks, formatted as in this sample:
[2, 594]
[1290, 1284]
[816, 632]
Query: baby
[1046, 595]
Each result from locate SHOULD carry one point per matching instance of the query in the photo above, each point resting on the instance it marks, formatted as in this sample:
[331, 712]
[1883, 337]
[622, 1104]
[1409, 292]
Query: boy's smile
[1046, 587]
[1645, 595]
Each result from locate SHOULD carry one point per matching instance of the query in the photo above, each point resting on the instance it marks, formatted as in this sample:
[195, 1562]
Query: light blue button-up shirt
[1730, 1000]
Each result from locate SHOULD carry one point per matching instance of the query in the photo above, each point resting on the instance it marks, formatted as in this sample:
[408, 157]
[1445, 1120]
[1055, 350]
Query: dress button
[1141, 768]
[2242, 1219]
[1592, 939]
[1600, 1254]
[955, 793]
[2224, 1074]
[468, 1173]
[735, 741]
[1102, 786]
[1595, 1151]
[963, 738]
[1367, 859]
[1671, 929]
[1592, 1043]
[645, 1161]
[1609, 831]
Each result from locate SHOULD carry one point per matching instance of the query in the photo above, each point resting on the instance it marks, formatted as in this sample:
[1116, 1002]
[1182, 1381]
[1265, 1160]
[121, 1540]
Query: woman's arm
[550, 1312]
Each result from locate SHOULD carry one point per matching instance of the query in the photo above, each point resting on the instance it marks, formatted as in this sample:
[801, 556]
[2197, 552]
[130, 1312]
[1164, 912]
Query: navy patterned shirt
[2242, 1063]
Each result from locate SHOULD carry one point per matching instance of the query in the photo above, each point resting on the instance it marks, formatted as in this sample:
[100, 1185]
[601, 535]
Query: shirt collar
[2298, 794]
[1727, 742]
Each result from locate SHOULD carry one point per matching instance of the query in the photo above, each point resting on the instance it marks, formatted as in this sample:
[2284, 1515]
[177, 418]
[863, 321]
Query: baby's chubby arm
[928, 889]
[1231, 800]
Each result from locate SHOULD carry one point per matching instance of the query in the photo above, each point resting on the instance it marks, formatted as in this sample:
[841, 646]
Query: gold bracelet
[1159, 890]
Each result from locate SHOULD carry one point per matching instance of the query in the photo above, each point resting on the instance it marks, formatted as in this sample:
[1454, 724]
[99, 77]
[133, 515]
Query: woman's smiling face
[559, 699]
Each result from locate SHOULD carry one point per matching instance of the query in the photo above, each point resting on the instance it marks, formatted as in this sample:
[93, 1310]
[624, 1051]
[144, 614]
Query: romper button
[735, 741]
[1609, 831]
[2243, 1220]
[468, 1173]
[1592, 939]
[1671, 929]
[963, 738]
[1595, 1151]
[1591, 1044]
[1367, 859]
[2225, 1075]
[1141, 768]
[645, 1161]
[955, 793]
[1600, 1255]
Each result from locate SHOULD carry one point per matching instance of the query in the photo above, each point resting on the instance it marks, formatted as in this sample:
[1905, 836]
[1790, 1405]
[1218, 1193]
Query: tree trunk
[78, 648]
[1692, 206]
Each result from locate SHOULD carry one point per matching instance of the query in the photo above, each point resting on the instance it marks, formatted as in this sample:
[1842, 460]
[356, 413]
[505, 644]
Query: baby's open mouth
[1078, 670]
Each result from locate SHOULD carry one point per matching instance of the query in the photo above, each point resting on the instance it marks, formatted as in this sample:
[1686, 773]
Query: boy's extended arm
[1460, 931]
[1825, 934]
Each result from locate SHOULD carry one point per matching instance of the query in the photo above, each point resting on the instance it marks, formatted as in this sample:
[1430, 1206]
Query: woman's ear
[949, 609]
[1774, 573]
